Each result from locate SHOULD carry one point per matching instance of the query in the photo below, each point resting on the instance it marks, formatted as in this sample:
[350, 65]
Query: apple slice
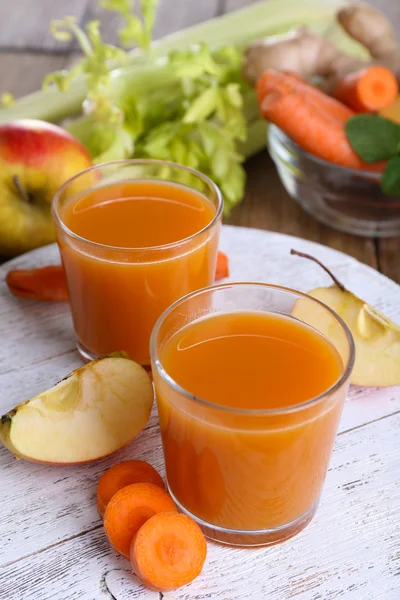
[90, 414]
[376, 338]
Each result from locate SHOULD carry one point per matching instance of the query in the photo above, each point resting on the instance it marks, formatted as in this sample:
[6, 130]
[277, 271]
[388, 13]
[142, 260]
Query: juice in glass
[131, 245]
[249, 404]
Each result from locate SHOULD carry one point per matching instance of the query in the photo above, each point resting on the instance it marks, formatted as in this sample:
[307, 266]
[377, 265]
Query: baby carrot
[271, 80]
[367, 90]
[129, 508]
[121, 475]
[313, 129]
[168, 552]
[46, 283]
[222, 268]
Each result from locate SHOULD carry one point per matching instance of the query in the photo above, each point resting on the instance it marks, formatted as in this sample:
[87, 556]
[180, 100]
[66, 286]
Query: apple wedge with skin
[93, 412]
[376, 338]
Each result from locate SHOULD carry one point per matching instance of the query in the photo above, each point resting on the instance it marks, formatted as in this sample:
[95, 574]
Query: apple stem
[20, 189]
[310, 257]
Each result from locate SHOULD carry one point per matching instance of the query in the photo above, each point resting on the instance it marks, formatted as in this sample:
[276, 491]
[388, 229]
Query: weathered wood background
[28, 52]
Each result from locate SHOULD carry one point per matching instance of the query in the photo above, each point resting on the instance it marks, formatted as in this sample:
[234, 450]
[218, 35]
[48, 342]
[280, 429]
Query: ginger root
[309, 54]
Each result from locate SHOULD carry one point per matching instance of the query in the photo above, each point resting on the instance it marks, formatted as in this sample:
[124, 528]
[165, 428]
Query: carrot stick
[313, 129]
[271, 79]
[222, 268]
[46, 283]
[121, 475]
[168, 552]
[49, 283]
[367, 90]
[129, 508]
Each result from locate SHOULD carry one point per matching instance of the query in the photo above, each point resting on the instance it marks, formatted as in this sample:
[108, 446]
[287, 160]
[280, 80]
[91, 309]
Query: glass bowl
[346, 199]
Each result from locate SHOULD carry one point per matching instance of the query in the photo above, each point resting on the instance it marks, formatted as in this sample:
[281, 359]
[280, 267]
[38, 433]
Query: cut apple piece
[93, 412]
[376, 338]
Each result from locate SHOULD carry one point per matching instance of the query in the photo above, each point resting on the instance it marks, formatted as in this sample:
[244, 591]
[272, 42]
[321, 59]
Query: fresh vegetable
[375, 138]
[129, 508]
[168, 552]
[90, 414]
[50, 283]
[377, 338]
[45, 283]
[307, 122]
[187, 101]
[392, 111]
[312, 55]
[222, 268]
[270, 79]
[121, 475]
[367, 90]
[35, 159]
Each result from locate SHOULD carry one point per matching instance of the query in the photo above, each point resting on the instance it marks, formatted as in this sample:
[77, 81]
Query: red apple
[35, 159]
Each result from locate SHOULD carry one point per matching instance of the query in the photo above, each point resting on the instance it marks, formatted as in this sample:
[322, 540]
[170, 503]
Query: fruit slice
[121, 475]
[376, 338]
[93, 412]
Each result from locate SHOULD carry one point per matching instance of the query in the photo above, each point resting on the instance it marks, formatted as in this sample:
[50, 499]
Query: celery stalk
[270, 17]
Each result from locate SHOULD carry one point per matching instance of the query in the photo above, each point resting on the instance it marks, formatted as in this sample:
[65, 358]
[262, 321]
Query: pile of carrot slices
[167, 549]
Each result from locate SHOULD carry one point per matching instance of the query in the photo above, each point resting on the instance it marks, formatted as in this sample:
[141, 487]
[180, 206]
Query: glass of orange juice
[134, 236]
[249, 399]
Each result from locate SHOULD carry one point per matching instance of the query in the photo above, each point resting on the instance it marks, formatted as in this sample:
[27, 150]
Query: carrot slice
[367, 90]
[222, 268]
[45, 283]
[168, 552]
[129, 508]
[50, 283]
[121, 475]
[270, 80]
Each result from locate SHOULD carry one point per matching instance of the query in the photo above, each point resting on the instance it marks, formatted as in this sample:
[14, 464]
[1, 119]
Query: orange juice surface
[238, 470]
[120, 285]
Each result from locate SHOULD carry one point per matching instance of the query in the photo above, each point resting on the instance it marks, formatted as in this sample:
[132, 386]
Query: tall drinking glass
[250, 382]
[134, 236]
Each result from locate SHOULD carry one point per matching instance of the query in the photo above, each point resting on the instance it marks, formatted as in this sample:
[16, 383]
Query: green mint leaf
[373, 137]
[390, 182]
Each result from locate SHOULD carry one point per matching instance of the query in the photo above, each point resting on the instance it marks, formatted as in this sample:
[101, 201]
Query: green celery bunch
[181, 99]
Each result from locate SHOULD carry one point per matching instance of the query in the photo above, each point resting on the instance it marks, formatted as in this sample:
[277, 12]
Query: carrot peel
[46, 283]
[168, 552]
[121, 475]
[129, 509]
[222, 268]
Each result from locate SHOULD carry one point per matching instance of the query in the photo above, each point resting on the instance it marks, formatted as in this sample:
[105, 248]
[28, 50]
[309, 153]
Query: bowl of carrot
[314, 140]
[347, 199]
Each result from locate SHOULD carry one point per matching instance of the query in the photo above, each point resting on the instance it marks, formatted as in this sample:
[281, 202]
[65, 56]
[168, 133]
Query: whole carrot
[312, 128]
[46, 283]
[368, 90]
[271, 80]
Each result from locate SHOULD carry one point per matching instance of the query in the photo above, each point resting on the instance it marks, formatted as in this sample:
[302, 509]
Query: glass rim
[249, 411]
[137, 161]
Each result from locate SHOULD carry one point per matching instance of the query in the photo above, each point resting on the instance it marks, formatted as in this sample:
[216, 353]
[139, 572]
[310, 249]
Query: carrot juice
[130, 248]
[246, 447]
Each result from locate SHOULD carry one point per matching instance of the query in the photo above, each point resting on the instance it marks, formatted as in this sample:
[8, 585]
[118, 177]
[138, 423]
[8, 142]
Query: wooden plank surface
[53, 544]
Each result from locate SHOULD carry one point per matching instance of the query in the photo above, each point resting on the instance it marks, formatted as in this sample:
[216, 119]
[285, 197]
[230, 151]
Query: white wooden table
[52, 543]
